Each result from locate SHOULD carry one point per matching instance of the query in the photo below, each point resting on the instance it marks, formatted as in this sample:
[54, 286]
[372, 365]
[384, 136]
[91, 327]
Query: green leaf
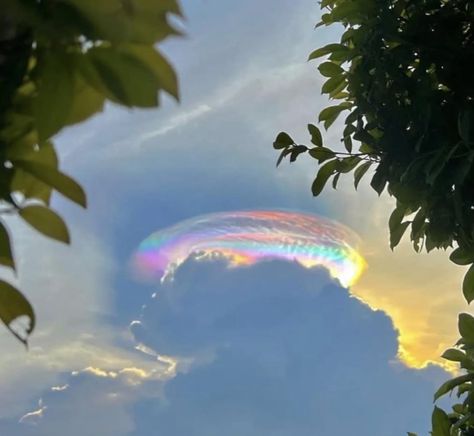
[45, 154]
[12, 306]
[325, 3]
[459, 408]
[438, 163]
[440, 423]
[347, 164]
[321, 154]
[282, 140]
[24, 182]
[6, 255]
[468, 284]
[30, 186]
[316, 137]
[285, 152]
[338, 90]
[462, 389]
[454, 355]
[359, 172]
[323, 51]
[136, 21]
[451, 384]
[54, 178]
[348, 143]
[325, 171]
[340, 54]
[326, 19]
[55, 95]
[379, 180]
[330, 69]
[397, 233]
[46, 221]
[465, 119]
[466, 328]
[126, 79]
[396, 218]
[165, 75]
[418, 223]
[333, 83]
[86, 102]
[329, 114]
[461, 257]
[296, 151]
[335, 180]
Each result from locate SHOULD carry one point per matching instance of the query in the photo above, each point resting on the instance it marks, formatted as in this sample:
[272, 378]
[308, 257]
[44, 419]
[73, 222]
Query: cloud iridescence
[247, 237]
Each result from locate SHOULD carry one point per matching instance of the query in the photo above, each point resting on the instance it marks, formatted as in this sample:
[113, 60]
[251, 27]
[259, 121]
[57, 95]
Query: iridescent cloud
[246, 237]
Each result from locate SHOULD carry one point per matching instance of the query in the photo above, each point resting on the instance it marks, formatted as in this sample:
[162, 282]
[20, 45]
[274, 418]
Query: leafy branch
[399, 69]
[59, 63]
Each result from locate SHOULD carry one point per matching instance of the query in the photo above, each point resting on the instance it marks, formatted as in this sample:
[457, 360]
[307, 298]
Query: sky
[270, 348]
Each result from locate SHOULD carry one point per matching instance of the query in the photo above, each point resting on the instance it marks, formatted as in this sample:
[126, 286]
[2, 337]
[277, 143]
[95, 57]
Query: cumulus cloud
[277, 349]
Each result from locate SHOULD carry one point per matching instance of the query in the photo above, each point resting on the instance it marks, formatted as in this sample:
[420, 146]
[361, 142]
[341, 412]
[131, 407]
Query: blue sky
[271, 349]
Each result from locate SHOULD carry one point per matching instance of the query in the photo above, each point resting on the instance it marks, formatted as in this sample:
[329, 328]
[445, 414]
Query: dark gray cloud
[278, 350]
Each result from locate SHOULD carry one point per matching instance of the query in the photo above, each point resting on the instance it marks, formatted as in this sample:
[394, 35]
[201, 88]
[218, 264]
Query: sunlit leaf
[54, 96]
[56, 179]
[333, 84]
[323, 51]
[143, 21]
[127, 79]
[165, 76]
[46, 221]
[451, 384]
[440, 423]
[86, 102]
[330, 69]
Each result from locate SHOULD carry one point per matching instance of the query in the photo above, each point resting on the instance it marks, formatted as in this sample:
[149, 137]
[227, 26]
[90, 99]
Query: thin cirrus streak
[247, 237]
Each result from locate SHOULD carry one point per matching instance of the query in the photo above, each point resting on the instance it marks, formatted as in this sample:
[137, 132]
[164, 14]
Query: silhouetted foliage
[402, 73]
[60, 61]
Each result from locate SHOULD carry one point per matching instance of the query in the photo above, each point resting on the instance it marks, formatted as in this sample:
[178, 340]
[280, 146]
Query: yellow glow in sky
[420, 292]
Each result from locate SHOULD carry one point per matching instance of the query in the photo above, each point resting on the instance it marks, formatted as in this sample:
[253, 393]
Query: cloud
[277, 349]
[34, 417]
[76, 336]
[221, 159]
[420, 292]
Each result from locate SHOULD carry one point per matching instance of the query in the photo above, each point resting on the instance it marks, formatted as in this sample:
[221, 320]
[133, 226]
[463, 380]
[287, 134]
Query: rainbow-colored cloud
[247, 237]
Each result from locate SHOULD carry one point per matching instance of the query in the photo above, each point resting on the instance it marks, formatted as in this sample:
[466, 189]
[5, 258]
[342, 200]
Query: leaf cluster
[60, 61]
[400, 74]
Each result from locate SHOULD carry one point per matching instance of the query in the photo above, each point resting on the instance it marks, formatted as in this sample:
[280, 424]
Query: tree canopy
[60, 61]
[401, 75]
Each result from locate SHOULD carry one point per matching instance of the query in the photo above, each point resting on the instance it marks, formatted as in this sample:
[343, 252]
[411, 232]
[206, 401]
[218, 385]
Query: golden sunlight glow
[420, 292]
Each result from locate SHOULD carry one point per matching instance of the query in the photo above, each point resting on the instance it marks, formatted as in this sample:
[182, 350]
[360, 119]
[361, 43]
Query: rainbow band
[246, 237]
